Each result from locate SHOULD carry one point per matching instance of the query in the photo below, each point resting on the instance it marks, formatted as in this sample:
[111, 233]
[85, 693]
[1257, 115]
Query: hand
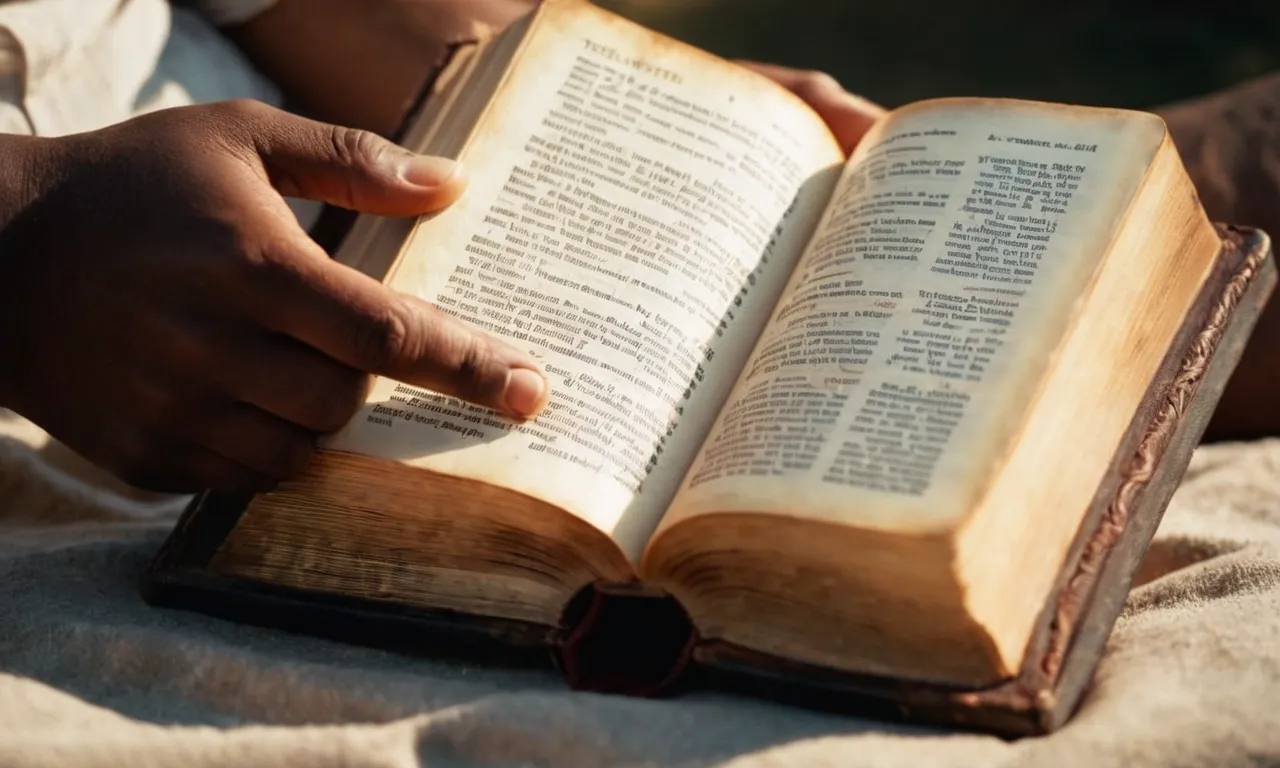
[163, 314]
[1230, 144]
[362, 62]
[848, 116]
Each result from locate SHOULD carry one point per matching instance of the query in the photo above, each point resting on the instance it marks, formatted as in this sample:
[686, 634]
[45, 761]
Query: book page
[634, 211]
[923, 314]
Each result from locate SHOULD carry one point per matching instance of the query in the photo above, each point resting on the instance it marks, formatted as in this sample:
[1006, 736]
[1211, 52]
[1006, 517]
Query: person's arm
[362, 62]
[163, 314]
[1230, 142]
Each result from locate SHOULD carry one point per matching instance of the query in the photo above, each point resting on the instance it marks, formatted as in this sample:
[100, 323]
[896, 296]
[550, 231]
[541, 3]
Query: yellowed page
[635, 209]
[924, 313]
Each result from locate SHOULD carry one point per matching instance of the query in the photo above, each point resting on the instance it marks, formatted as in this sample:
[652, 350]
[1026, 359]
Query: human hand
[848, 116]
[163, 314]
[1229, 142]
[362, 62]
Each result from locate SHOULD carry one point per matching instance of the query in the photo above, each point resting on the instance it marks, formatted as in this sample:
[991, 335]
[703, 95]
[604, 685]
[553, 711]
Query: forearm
[26, 168]
[361, 62]
[1230, 142]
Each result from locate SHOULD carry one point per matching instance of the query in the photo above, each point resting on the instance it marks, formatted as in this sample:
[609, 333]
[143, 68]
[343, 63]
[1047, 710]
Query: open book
[859, 416]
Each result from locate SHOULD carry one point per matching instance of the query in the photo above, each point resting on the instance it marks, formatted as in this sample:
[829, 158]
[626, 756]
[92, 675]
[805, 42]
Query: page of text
[922, 314]
[634, 213]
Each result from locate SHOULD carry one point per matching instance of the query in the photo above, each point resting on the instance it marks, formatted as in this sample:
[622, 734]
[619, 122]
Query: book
[891, 429]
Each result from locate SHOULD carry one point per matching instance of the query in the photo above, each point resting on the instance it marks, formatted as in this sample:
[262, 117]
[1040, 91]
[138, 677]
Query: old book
[894, 426]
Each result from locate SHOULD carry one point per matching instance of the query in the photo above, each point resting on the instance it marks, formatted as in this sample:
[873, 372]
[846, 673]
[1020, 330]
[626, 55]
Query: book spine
[626, 639]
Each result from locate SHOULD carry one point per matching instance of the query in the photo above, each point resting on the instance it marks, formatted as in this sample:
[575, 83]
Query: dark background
[1137, 54]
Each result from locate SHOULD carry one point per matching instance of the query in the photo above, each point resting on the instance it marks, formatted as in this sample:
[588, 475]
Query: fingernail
[525, 392]
[429, 171]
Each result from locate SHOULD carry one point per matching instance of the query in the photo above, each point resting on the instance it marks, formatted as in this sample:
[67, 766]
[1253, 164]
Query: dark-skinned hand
[163, 314]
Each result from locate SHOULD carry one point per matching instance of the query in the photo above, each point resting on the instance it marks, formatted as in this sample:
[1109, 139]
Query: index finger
[361, 323]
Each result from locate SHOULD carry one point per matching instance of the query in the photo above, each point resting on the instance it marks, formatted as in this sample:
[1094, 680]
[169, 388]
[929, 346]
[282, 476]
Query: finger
[847, 115]
[191, 468]
[232, 362]
[254, 439]
[357, 321]
[350, 168]
[293, 382]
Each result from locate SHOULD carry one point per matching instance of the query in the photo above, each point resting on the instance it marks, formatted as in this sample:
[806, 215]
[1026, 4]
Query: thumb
[847, 115]
[353, 169]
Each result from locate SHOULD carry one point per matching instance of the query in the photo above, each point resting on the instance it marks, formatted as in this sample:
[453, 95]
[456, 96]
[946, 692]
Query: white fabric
[68, 66]
[92, 676]
[75, 65]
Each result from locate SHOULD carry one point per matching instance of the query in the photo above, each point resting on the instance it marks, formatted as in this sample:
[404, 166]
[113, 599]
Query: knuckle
[476, 363]
[236, 124]
[359, 152]
[814, 83]
[290, 455]
[251, 442]
[329, 407]
[354, 147]
[244, 110]
[269, 262]
[217, 235]
[383, 340]
[206, 469]
[265, 258]
[232, 252]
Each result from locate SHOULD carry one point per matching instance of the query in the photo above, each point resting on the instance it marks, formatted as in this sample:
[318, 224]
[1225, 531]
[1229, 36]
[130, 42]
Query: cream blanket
[91, 676]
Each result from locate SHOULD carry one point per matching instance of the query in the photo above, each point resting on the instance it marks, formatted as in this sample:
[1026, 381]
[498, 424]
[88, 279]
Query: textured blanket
[91, 676]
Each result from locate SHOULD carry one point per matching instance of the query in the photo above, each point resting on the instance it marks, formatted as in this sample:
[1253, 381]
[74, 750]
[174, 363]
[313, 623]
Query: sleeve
[227, 12]
[68, 66]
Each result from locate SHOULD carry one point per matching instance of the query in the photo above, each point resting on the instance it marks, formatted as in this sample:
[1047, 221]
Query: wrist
[28, 166]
